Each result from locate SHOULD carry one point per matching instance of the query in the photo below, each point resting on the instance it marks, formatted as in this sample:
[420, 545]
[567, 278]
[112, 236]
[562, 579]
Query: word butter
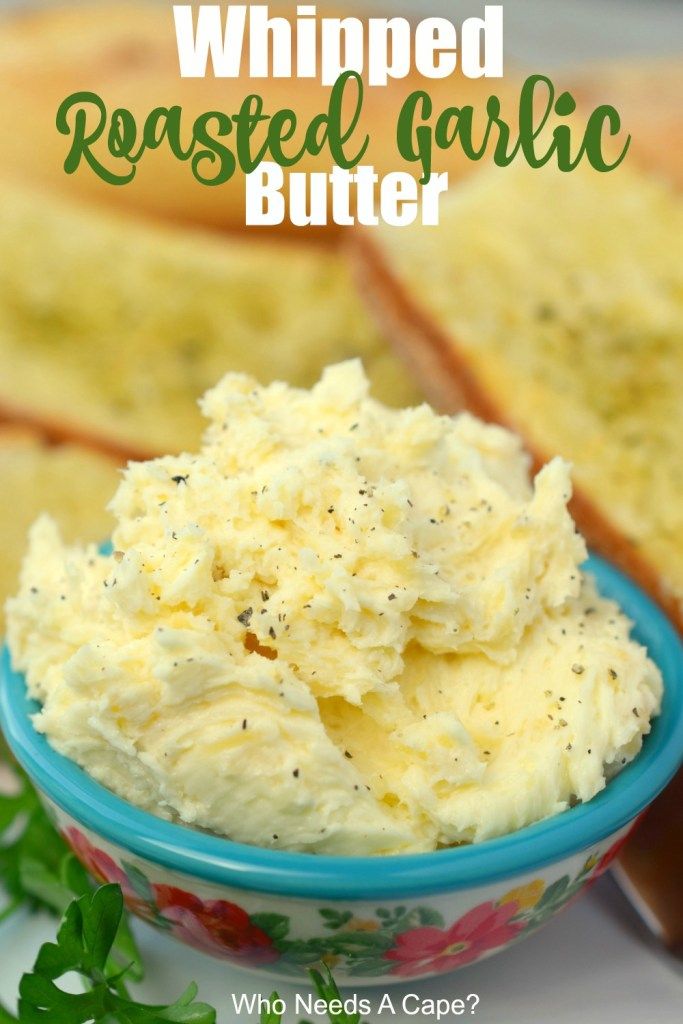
[314, 196]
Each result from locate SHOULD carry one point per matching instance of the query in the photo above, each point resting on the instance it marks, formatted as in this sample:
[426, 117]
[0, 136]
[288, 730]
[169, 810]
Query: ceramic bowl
[373, 920]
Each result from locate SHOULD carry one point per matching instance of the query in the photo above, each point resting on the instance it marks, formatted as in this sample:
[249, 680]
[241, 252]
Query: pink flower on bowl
[434, 950]
[103, 869]
[215, 926]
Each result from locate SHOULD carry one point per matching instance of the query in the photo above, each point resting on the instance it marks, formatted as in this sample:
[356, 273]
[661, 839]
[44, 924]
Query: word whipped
[341, 43]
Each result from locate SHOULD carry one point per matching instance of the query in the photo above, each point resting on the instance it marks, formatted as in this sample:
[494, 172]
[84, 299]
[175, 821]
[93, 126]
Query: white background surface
[589, 966]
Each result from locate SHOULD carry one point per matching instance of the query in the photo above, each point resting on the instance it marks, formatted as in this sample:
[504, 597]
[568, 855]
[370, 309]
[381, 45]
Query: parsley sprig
[84, 945]
[36, 866]
[94, 939]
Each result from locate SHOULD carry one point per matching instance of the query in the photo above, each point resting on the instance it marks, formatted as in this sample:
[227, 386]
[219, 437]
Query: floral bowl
[371, 919]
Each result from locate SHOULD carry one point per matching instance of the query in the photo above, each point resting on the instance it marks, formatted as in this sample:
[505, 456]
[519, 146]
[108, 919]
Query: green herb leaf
[6, 1017]
[39, 870]
[326, 987]
[270, 1016]
[84, 945]
[94, 939]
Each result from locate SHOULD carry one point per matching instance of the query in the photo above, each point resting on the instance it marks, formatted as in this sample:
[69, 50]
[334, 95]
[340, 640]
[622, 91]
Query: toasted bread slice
[126, 53]
[72, 483]
[110, 330]
[554, 304]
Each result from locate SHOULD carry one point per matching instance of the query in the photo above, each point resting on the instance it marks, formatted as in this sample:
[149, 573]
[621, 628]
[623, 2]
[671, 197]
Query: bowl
[371, 919]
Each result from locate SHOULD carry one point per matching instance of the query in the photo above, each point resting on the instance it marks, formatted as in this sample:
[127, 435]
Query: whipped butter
[336, 628]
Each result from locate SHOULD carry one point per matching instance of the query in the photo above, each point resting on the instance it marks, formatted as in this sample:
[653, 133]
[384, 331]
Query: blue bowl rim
[214, 859]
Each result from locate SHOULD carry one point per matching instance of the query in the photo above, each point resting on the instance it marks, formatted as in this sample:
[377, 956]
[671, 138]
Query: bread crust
[55, 431]
[16, 436]
[450, 383]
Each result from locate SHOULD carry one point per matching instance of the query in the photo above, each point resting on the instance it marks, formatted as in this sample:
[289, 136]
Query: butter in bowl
[342, 687]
